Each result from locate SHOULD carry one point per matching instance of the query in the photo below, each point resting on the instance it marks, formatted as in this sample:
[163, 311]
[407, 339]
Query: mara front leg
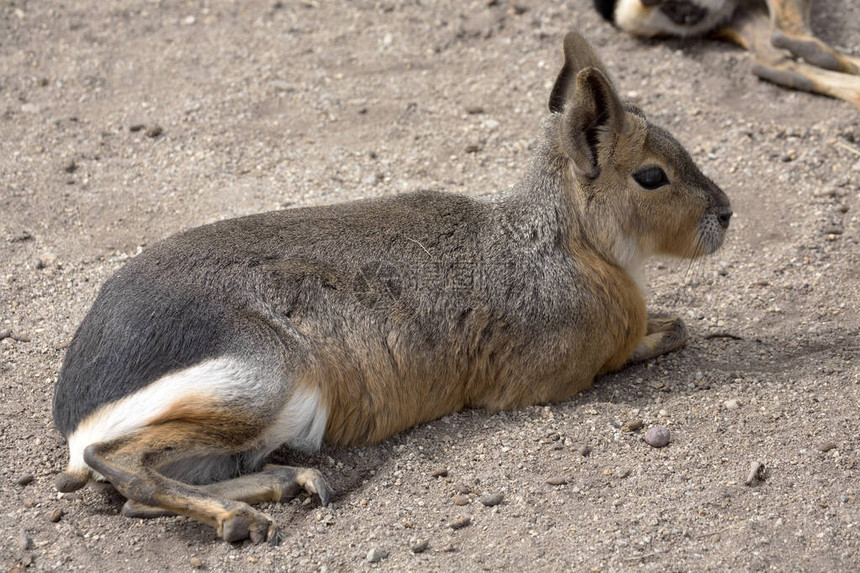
[665, 334]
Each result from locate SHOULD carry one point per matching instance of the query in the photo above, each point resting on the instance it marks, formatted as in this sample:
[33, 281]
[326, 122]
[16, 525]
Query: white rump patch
[219, 379]
[300, 423]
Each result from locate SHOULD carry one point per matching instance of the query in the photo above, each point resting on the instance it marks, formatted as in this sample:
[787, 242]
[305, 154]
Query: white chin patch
[629, 256]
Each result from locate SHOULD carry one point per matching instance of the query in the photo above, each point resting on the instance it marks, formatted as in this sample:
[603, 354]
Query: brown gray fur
[359, 320]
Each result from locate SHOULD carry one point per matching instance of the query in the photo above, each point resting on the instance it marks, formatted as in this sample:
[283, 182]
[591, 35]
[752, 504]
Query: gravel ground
[125, 122]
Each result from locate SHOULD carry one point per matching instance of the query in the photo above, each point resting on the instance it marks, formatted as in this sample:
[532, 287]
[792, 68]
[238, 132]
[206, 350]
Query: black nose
[723, 217]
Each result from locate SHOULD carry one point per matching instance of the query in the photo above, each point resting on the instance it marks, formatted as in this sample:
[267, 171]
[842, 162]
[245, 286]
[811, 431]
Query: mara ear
[592, 111]
[578, 55]
[593, 117]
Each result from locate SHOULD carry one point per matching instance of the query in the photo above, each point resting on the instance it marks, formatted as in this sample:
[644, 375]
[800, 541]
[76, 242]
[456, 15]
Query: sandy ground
[125, 122]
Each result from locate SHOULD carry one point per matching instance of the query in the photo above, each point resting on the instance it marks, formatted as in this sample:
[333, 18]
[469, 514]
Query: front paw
[664, 334]
[672, 328]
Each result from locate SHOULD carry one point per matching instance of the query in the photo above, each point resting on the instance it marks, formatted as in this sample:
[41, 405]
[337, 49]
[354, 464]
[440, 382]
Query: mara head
[637, 189]
[650, 18]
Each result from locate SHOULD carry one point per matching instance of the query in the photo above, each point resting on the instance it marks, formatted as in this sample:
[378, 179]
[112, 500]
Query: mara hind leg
[790, 30]
[204, 423]
[273, 483]
[751, 31]
[131, 465]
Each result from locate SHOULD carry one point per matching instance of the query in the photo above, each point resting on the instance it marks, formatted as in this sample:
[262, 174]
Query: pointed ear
[592, 110]
[593, 117]
[578, 55]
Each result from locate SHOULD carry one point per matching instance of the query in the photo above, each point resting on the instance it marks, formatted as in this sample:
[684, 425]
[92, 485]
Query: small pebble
[24, 541]
[282, 86]
[25, 478]
[136, 127]
[756, 473]
[826, 446]
[463, 489]
[22, 237]
[46, 260]
[460, 522]
[474, 110]
[154, 131]
[376, 555]
[472, 148]
[731, 405]
[657, 437]
[420, 547]
[492, 499]
[195, 562]
[439, 472]
[556, 480]
[633, 425]
[460, 500]
[56, 515]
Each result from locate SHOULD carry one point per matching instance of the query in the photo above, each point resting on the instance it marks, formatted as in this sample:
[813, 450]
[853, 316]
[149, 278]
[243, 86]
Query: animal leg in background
[790, 30]
[752, 31]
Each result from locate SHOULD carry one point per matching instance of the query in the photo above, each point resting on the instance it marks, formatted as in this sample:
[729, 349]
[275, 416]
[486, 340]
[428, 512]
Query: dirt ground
[124, 122]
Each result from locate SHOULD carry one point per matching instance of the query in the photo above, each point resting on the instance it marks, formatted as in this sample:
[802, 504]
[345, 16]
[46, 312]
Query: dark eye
[651, 178]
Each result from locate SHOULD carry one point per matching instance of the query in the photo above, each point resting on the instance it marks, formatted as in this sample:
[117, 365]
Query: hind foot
[140, 511]
[273, 483]
[71, 481]
[244, 522]
[292, 480]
